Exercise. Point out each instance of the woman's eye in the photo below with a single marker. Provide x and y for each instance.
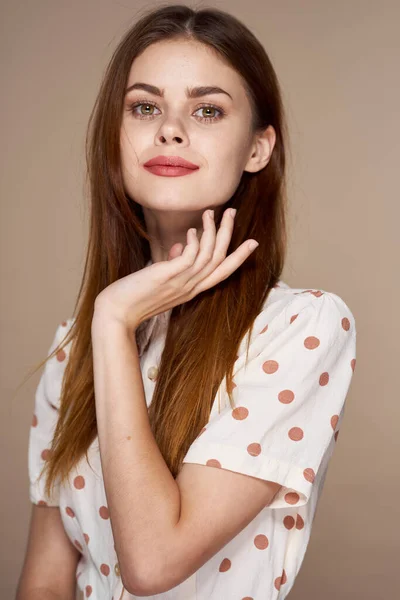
(146, 110)
(213, 109)
(146, 106)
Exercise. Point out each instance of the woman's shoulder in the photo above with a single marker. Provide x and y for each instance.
(55, 365)
(284, 303)
(62, 330)
(285, 294)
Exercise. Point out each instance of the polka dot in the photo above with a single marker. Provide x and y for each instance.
(64, 323)
(270, 366)
(78, 545)
(280, 580)
(288, 522)
(225, 565)
(79, 482)
(69, 511)
(261, 541)
(88, 591)
(292, 498)
(336, 436)
(265, 329)
(311, 342)
(324, 378)
(254, 449)
(103, 512)
(240, 413)
(334, 421)
(353, 363)
(247, 598)
(105, 569)
(85, 535)
(296, 434)
(309, 475)
(34, 421)
(299, 522)
(317, 293)
(42, 503)
(45, 455)
(213, 462)
(293, 318)
(345, 323)
(61, 355)
(286, 396)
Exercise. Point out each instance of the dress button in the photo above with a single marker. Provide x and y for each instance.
(116, 569)
(152, 373)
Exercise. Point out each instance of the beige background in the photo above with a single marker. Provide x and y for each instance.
(338, 63)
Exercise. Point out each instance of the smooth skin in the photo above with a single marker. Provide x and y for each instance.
(223, 145)
(48, 572)
(215, 504)
(165, 284)
(223, 148)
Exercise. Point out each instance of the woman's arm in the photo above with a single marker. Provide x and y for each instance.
(42, 594)
(143, 497)
(49, 568)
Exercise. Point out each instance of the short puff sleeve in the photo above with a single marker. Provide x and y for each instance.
(44, 420)
(289, 396)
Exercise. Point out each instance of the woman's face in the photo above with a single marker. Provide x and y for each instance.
(218, 139)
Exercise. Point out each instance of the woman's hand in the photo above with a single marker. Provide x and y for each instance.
(165, 284)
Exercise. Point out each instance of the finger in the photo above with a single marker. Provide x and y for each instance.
(217, 245)
(207, 243)
(224, 236)
(226, 268)
(213, 248)
(175, 251)
(186, 259)
(203, 253)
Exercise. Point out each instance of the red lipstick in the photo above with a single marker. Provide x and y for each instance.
(170, 166)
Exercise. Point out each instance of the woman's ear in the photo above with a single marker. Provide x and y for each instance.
(261, 150)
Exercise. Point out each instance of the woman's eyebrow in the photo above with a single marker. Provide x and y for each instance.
(194, 92)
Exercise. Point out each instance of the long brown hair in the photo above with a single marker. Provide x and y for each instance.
(204, 333)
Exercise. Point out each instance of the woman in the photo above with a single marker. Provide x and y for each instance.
(187, 413)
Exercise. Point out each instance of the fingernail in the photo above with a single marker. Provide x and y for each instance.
(253, 245)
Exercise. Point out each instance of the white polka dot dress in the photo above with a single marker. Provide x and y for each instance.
(289, 404)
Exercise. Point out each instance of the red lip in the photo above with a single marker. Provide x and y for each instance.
(170, 161)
